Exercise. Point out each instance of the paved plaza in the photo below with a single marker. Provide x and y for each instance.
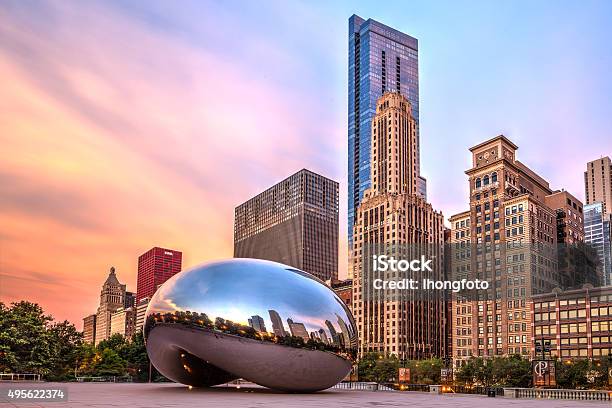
(178, 396)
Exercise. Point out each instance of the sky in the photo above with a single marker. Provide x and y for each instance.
(127, 125)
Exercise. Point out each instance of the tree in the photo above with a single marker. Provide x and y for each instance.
(136, 355)
(425, 371)
(64, 342)
(24, 340)
(86, 360)
(512, 371)
(466, 373)
(476, 371)
(378, 367)
(115, 342)
(110, 364)
(573, 373)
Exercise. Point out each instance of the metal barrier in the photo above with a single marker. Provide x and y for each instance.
(126, 378)
(373, 386)
(361, 386)
(19, 377)
(480, 390)
(558, 394)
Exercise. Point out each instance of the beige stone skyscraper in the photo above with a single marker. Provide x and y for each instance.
(111, 299)
(598, 183)
(392, 213)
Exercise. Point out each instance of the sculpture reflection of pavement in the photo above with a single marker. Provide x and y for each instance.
(225, 320)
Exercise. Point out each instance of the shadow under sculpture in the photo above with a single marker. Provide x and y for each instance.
(262, 321)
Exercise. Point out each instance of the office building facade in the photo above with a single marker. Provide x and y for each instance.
(141, 311)
(598, 183)
(381, 59)
(570, 221)
(576, 323)
(130, 300)
(344, 290)
(392, 214)
(89, 329)
(597, 234)
(155, 267)
(295, 222)
(508, 238)
(123, 322)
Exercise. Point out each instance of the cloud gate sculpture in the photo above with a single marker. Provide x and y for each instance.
(262, 321)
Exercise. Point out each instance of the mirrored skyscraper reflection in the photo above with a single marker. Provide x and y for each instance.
(245, 318)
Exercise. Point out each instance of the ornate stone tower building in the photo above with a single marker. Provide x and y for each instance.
(510, 235)
(111, 298)
(393, 215)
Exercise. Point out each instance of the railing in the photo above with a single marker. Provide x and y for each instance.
(591, 395)
(465, 389)
(360, 386)
(388, 386)
(408, 387)
(19, 377)
(105, 379)
(558, 394)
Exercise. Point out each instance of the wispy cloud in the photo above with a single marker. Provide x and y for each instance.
(125, 125)
(119, 136)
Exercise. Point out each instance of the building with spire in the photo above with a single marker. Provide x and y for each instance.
(394, 214)
(112, 298)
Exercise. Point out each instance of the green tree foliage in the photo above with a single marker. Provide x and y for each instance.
(425, 371)
(115, 342)
(31, 342)
(512, 371)
(25, 339)
(583, 374)
(65, 343)
(378, 367)
(110, 363)
(135, 354)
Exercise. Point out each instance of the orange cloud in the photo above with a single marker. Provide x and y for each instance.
(117, 138)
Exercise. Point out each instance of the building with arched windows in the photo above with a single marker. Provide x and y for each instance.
(112, 298)
(512, 230)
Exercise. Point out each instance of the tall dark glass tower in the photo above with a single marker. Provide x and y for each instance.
(380, 59)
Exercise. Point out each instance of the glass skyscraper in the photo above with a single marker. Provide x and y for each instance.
(598, 235)
(381, 59)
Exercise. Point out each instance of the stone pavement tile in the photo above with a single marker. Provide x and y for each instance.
(98, 395)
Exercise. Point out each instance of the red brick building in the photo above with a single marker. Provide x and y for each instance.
(156, 266)
(344, 290)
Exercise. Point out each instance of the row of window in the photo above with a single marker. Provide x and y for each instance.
(486, 180)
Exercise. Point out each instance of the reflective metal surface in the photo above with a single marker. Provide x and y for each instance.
(244, 318)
